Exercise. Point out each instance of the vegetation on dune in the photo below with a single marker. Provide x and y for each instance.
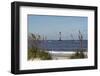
(35, 52)
(79, 52)
(78, 55)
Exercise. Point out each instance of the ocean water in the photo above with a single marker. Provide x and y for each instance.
(64, 45)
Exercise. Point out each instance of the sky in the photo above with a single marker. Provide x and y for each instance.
(50, 26)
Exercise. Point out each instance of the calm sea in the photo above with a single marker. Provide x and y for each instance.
(64, 45)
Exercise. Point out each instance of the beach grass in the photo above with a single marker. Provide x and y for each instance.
(35, 53)
(78, 55)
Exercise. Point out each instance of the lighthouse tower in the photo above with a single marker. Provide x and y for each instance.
(59, 36)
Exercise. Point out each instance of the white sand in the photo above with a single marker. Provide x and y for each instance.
(57, 55)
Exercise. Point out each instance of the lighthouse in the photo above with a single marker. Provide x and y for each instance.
(59, 36)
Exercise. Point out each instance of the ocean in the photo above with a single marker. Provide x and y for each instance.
(63, 45)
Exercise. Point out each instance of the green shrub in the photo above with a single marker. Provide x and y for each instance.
(37, 53)
(78, 55)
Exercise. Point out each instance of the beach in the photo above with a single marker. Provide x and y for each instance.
(56, 55)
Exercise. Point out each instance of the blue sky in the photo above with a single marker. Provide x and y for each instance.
(50, 26)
